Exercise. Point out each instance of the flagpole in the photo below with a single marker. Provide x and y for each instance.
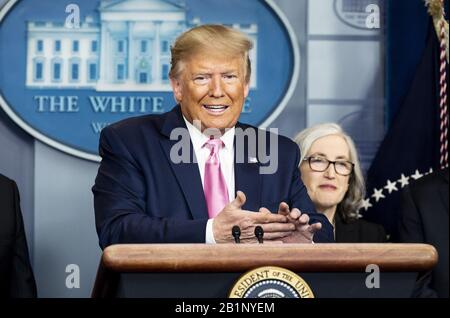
(443, 91)
(436, 10)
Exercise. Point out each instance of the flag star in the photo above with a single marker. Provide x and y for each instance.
(365, 204)
(390, 186)
(417, 175)
(430, 171)
(403, 180)
(378, 194)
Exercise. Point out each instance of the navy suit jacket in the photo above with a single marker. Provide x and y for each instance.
(141, 196)
(424, 219)
(16, 274)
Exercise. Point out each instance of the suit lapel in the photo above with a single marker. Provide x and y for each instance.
(187, 174)
(247, 180)
(247, 177)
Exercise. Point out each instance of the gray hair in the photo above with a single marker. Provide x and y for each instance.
(349, 206)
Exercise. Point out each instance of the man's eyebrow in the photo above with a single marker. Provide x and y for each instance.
(201, 73)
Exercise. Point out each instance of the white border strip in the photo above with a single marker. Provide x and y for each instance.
(84, 155)
(5, 8)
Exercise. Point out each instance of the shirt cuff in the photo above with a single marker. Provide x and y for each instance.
(209, 232)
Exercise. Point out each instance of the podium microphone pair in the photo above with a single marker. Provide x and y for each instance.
(236, 232)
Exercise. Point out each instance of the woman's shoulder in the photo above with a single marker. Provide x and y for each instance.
(362, 230)
(367, 224)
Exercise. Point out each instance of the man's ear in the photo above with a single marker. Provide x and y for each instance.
(246, 89)
(177, 89)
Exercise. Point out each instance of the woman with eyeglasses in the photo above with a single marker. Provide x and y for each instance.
(331, 172)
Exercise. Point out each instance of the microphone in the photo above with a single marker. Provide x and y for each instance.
(236, 232)
(259, 233)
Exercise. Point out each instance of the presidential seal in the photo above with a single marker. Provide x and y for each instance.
(270, 282)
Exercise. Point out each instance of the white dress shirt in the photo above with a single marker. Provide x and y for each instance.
(226, 156)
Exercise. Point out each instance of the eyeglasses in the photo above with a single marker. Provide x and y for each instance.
(320, 164)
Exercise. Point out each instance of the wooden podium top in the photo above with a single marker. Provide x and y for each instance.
(241, 257)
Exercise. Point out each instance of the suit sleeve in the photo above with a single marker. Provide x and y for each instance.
(300, 199)
(410, 227)
(120, 202)
(411, 231)
(22, 279)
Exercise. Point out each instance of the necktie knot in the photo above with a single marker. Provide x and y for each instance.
(214, 145)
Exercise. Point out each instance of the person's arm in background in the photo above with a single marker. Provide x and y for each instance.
(410, 227)
(411, 231)
(22, 283)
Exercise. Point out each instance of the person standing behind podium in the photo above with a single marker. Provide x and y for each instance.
(16, 274)
(141, 195)
(331, 172)
(424, 219)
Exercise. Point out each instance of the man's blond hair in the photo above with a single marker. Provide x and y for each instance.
(217, 40)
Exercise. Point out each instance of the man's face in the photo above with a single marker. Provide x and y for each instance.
(212, 90)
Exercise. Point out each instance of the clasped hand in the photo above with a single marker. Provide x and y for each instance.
(286, 226)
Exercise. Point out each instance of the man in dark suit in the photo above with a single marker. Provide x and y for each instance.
(424, 219)
(16, 275)
(144, 192)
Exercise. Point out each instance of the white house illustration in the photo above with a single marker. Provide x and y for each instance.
(128, 50)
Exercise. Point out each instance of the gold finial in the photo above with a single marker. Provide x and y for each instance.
(434, 8)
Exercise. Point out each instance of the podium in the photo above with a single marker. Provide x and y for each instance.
(211, 271)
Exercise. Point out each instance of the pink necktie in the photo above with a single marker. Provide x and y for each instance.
(216, 191)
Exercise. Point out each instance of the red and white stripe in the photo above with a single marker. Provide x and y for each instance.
(443, 95)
